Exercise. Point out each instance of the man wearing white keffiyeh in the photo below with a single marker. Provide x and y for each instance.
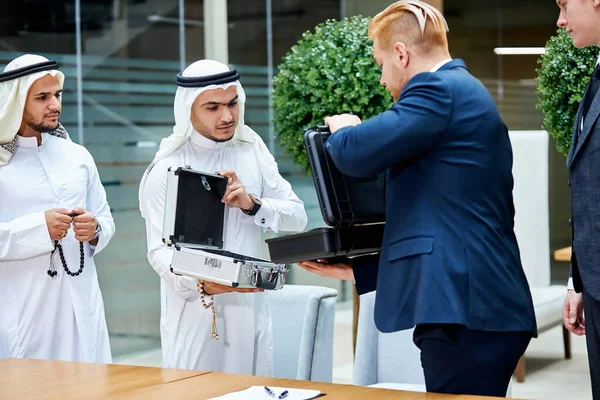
(13, 92)
(53, 219)
(210, 135)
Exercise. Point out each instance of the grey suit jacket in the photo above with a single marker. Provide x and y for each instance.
(583, 163)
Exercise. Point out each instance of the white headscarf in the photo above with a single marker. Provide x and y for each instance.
(13, 95)
(184, 98)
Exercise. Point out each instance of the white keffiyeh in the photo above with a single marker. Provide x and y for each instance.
(13, 95)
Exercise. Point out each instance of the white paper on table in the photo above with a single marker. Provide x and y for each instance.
(259, 393)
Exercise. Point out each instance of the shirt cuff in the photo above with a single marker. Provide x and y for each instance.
(265, 217)
(570, 284)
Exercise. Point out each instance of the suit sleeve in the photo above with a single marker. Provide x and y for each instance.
(412, 127)
(365, 270)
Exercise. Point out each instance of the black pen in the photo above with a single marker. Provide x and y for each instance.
(283, 394)
(269, 392)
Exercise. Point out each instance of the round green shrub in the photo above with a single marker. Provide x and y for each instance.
(329, 71)
(563, 74)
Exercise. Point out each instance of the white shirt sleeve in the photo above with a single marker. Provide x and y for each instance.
(98, 206)
(281, 209)
(159, 254)
(25, 237)
(570, 284)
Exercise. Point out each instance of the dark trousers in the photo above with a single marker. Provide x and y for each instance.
(457, 360)
(591, 309)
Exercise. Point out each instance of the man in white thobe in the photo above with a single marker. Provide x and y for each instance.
(53, 219)
(210, 135)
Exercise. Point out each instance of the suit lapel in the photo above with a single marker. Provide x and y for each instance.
(588, 122)
(576, 134)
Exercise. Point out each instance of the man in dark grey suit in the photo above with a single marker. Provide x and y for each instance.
(581, 19)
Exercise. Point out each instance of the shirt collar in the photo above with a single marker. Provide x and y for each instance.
(204, 142)
(440, 64)
(597, 61)
(28, 142)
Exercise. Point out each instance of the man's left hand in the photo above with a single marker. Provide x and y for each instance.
(337, 122)
(84, 225)
(236, 195)
(323, 268)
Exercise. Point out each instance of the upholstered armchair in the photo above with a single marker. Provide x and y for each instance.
(303, 322)
(530, 172)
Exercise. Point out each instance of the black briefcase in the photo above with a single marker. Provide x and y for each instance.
(354, 208)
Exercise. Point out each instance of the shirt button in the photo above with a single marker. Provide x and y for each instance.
(571, 221)
(263, 221)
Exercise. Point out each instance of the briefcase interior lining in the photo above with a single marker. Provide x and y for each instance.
(195, 224)
(354, 208)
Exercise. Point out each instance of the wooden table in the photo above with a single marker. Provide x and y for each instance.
(57, 380)
(42, 379)
(218, 384)
(563, 254)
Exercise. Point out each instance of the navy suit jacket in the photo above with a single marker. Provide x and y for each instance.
(449, 253)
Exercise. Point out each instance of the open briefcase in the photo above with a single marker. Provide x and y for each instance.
(195, 224)
(354, 208)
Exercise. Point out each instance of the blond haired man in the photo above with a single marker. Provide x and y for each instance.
(449, 262)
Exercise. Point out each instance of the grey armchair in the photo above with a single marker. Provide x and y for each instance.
(303, 322)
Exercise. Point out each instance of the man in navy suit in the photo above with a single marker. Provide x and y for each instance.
(449, 262)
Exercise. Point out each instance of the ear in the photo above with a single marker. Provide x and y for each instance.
(401, 53)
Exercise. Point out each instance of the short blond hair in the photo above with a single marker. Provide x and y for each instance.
(412, 22)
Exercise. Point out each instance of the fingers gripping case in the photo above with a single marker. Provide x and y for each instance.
(195, 224)
(354, 208)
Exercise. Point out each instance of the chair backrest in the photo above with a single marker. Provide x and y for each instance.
(530, 193)
(384, 357)
(303, 321)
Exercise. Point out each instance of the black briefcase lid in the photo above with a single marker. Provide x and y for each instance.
(344, 200)
(200, 214)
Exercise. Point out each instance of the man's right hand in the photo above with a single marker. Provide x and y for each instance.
(58, 222)
(573, 313)
(214, 288)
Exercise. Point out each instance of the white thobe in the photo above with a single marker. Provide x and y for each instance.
(243, 320)
(40, 317)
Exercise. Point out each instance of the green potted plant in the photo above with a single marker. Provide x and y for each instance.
(329, 71)
(563, 74)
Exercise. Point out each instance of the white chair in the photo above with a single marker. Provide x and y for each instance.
(530, 172)
(303, 322)
(387, 360)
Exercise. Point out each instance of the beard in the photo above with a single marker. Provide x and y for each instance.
(40, 126)
(216, 139)
(207, 133)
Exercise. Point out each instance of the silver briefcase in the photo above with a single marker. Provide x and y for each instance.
(194, 225)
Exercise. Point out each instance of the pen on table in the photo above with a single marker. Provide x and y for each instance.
(283, 394)
(269, 392)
